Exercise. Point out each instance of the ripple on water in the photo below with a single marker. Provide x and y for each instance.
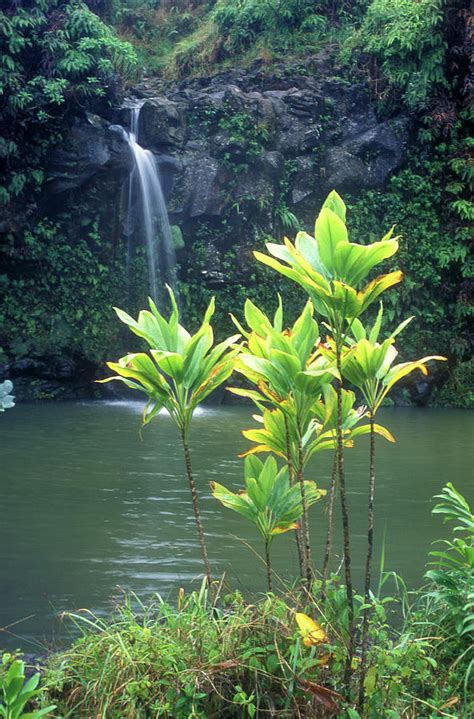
(88, 503)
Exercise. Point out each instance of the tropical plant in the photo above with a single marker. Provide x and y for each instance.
(274, 435)
(289, 374)
(6, 398)
(331, 270)
(282, 216)
(269, 501)
(16, 692)
(453, 578)
(369, 366)
(178, 372)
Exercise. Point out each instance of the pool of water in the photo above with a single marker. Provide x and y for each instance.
(89, 507)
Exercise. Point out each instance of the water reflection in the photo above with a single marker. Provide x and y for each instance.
(89, 505)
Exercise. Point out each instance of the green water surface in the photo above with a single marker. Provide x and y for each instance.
(88, 507)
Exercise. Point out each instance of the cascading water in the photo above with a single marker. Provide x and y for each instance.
(147, 214)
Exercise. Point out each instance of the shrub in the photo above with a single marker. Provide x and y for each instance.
(56, 58)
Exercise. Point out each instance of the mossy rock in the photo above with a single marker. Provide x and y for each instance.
(177, 237)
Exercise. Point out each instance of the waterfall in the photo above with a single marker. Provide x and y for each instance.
(148, 215)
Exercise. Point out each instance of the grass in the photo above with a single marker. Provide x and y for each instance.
(201, 657)
(197, 39)
(225, 657)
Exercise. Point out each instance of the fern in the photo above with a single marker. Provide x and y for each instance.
(453, 579)
(55, 57)
(406, 39)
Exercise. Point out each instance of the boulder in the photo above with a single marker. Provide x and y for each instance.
(91, 146)
(204, 185)
(162, 125)
(305, 177)
(366, 160)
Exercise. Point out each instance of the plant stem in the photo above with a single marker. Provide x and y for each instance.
(197, 513)
(332, 495)
(368, 567)
(291, 478)
(345, 520)
(305, 518)
(269, 568)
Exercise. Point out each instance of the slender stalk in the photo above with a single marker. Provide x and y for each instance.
(332, 495)
(305, 518)
(345, 521)
(269, 566)
(368, 567)
(291, 477)
(197, 513)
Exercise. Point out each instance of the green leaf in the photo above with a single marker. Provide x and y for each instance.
(335, 203)
(329, 231)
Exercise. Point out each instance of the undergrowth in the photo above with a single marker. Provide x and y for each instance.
(214, 654)
(223, 657)
(199, 36)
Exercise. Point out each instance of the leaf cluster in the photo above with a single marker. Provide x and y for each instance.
(57, 59)
(16, 692)
(180, 370)
(268, 499)
(453, 578)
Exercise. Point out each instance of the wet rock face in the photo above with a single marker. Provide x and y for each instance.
(233, 150)
(92, 146)
(252, 137)
(241, 142)
(50, 378)
(162, 125)
(236, 150)
(367, 159)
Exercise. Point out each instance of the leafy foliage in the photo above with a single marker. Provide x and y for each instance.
(247, 138)
(16, 692)
(180, 370)
(453, 579)
(458, 390)
(57, 58)
(154, 28)
(198, 659)
(80, 277)
(331, 269)
(416, 56)
(434, 251)
(232, 28)
(369, 366)
(405, 42)
(229, 658)
(269, 501)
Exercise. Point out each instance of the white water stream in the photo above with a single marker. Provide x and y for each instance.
(147, 213)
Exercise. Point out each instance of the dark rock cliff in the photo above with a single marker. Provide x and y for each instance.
(243, 140)
(238, 153)
(239, 150)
